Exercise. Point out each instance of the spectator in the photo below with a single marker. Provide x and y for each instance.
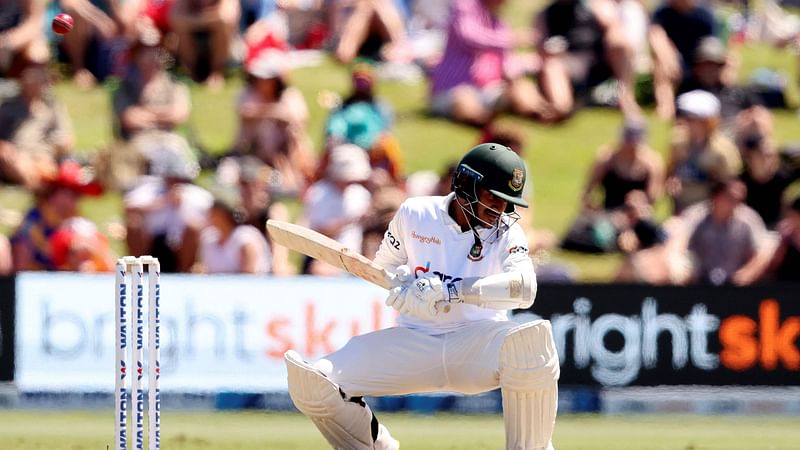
(150, 107)
(337, 205)
(766, 178)
(699, 154)
(205, 29)
(97, 23)
(373, 28)
(56, 204)
(229, 244)
(583, 44)
(273, 119)
(650, 255)
(35, 130)
(78, 246)
(365, 120)
(729, 241)
(627, 166)
(626, 172)
(477, 77)
(676, 29)
(713, 70)
(22, 37)
(250, 177)
(165, 212)
(785, 262)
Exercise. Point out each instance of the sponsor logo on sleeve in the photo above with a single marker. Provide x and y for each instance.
(392, 241)
(518, 249)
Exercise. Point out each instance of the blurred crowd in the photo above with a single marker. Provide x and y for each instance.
(728, 180)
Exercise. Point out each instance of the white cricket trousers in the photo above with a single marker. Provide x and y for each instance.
(398, 361)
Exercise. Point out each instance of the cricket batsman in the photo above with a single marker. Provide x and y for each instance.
(461, 262)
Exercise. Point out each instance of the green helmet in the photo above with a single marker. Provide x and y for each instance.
(493, 167)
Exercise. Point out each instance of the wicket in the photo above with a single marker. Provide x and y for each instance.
(135, 267)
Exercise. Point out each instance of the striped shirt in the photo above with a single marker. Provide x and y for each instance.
(473, 34)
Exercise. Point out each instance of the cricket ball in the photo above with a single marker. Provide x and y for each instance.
(63, 23)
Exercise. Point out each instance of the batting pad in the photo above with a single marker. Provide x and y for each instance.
(346, 425)
(529, 371)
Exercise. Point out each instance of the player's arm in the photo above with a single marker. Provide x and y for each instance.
(514, 287)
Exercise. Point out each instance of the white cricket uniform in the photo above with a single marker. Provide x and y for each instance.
(458, 351)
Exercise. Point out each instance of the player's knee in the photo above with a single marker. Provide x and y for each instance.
(312, 393)
(528, 358)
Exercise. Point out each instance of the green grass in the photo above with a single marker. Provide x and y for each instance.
(57, 430)
(559, 156)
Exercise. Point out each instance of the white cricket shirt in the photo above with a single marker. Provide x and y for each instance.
(423, 236)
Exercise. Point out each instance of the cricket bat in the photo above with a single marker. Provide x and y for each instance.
(325, 249)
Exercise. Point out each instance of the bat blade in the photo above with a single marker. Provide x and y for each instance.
(323, 248)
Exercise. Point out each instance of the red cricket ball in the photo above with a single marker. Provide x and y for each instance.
(63, 23)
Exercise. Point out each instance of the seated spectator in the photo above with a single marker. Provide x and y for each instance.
(676, 30)
(373, 29)
(229, 244)
(729, 242)
(650, 254)
(713, 70)
(337, 205)
(766, 178)
(477, 77)
(627, 166)
(365, 120)
(35, 130)
(785, 262)
(251, 178)
(582, 45)
(22, 37)
(97, 23)
(165, 211)
(205, 29)
(699, 154)
(78, 246)
(56, 203)
(149, 108)
(273, 118)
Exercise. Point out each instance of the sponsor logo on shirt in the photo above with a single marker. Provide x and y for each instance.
(426, 239)
(421, 270)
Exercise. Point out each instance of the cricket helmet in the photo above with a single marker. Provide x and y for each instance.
(495, 168)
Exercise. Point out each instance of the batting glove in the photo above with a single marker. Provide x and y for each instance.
(418, 299)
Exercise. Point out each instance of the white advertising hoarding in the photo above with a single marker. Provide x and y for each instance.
(218, 333)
